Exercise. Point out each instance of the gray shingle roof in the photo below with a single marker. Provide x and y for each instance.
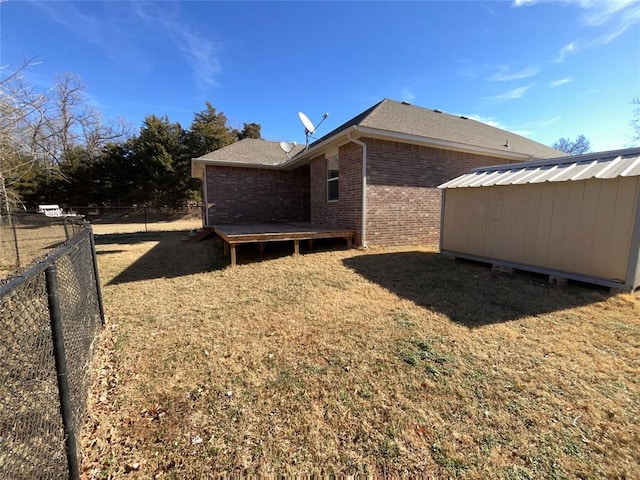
(251, 151)
(388, 117)
(400, 117)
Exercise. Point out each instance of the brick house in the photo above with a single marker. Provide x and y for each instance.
(404, 151)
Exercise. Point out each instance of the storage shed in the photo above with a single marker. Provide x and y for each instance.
(573, 217)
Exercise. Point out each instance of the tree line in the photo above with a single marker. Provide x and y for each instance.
(55, 147)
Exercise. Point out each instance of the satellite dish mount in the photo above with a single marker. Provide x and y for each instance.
(309, 128)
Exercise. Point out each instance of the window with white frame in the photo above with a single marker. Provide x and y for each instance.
(333, 193)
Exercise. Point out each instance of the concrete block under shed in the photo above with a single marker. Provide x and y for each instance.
(553, 280)
(501, 268)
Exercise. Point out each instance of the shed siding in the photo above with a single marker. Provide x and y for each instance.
(623, 220)
(582, 227)
(253, 195)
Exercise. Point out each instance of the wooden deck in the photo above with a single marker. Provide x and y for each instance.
(234, 235)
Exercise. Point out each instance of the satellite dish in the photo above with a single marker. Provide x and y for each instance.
(309, 129)
(287, 147)
(307, 123)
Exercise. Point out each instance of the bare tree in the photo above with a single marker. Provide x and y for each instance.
(18, 104)
(41, 130)
(68, 122)
(573, 147)
(635, 121)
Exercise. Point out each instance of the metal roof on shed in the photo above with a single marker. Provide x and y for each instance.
(602, 165)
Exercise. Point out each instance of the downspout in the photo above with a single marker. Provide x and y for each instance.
(205, 198)
(363, 228)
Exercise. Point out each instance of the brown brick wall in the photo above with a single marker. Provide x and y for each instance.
(403, 203)
(346, 212)
(252, 195)
(323, 213)
(351, 188)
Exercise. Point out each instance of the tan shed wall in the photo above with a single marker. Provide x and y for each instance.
(582, 227)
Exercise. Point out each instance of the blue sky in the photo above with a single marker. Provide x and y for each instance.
(541, 69)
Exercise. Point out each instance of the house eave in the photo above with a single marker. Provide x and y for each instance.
(303, 157)
(341, 138)
(360, 131)
(198, 166)
(439, 143)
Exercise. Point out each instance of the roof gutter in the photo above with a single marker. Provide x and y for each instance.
(222, 163)
(363, 227)
(436, 142)
(406, 138)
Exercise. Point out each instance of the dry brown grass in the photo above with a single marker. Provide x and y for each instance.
(139, 226)
(34, 240)
(378, 362)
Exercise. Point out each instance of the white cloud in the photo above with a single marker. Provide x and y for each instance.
(528, 129)
(599, 12)
(535, 124)
(408, 95)
(595, 12)
(536, 128)
(611, 18)
(90, 27)
(523, 133)
(201, 53)
(524, 3)
(115, 39)
(486, 120)
(562, 81)
(105, 27)
(568, 49)
(492, 122)
(510, 94)
(504, 74)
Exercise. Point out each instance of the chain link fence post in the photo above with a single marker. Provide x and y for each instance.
(66, 227)
(15, 238)
(57, 337)
(94, 256)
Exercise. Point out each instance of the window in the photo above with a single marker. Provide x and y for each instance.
(332, 180)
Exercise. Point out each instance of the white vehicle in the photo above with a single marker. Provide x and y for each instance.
(53, 211)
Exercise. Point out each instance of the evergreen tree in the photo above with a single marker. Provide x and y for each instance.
(152, 167)
(250, 130)
(208, 132)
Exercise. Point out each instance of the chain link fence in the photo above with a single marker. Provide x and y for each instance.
(24, 238)
(142, 218)
(50, 315)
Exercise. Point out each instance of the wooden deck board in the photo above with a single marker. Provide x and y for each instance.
(234, 235)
